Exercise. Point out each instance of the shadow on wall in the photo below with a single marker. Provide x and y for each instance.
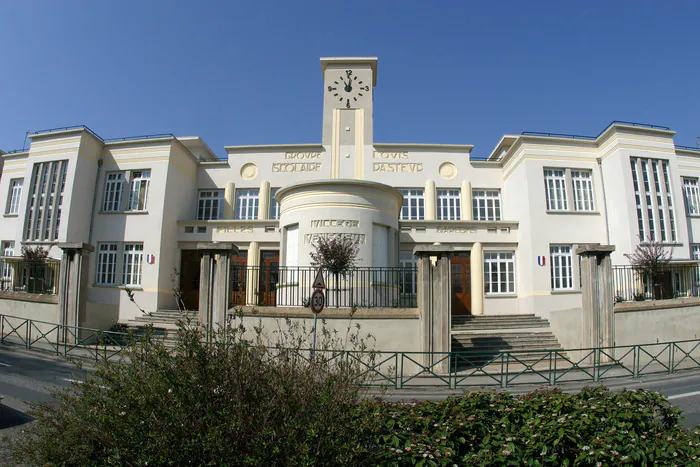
(477, 352)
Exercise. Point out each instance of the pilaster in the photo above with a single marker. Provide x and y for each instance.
(229, 200)
(264, 200)
(466, 195)
(253, 279)
(430, 203)
(476, 270)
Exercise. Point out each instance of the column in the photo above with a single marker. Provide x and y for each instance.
(435, 302)
(598, 319)
(466, 195)
(252, 284)
(430, 204)
(476, 271)
(214, 283)
(72, 287)
(229, 200)
(264, 201)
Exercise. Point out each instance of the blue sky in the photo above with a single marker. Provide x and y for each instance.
(239, 73)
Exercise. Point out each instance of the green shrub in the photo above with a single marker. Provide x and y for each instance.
(227, 402)
(593, 427)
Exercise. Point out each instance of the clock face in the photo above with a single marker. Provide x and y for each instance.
(347, 88)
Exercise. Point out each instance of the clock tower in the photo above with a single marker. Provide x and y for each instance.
(348, 93)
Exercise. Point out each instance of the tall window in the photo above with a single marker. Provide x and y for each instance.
(408, 280)
(8, 249)
(691, 194)
(582, 182)
(138, 193)
(555, 189)
(274, 206)
(247, 204)
(14, 196)
(499, 273)
(210, 205)
(486, 205)
(44, 201)
(561, 267)
(132, 264)
(652, 191)
(449, 205)
(107, 264)
(413, 208)
(114, 187)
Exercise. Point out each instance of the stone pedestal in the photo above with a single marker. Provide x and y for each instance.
(598, 323)
(434, 303)
(214, 283)
(72, 288)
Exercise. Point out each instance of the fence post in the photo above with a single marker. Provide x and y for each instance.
(72, 286)
(214, 286)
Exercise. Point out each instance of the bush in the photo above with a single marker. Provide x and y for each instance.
(593, 427)
(227, 402)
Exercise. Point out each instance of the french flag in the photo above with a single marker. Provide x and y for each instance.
(150, 258)
(541, 260)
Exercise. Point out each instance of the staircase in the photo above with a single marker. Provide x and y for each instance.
(483, 338)
(164, 322)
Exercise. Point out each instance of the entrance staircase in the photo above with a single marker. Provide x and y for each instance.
(484, 338)
(164, 322)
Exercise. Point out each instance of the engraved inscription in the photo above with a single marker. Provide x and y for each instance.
(463, 230)
(296, 167)
(390, 155)
(397, 166)
(320, 223)
(355, 237)
(234, 229)
(302, 155)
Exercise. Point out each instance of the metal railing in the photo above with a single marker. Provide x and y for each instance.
(631, 283)
(35, 277)
(281, 286)
(401, 370)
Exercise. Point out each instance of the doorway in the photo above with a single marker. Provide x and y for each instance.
(189, 279)
(269, 277)
(461, 283)
(239, 264)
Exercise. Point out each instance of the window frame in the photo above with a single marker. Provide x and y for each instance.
(251, 212)
(495, 207)
(132, 258)
(104, 251)
(656, 218)
(695, 192)
(583, 185)
(216, 198)
(274, 211)
(551, 187)
(557, 266)
(44, 202)
(138, 184)
(448, 201)
(14, 196)
(502, 257)
(406, 204)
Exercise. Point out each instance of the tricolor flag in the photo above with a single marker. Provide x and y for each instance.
(541, 260)
(150, 259)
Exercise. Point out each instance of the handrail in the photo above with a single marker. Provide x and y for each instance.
(413, 369)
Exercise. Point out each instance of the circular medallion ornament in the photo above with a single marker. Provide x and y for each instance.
(249, 171)
(448, 170)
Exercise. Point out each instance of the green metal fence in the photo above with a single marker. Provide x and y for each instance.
(404, 370)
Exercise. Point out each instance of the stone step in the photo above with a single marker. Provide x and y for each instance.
(511, 327)
(489, 338)
(499, 322)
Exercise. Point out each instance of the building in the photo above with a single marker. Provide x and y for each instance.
(513, 219)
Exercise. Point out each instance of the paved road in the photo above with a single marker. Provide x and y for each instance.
(27, 377)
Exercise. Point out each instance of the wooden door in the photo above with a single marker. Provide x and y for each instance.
(269, 276)
(189, 279)
(461, 283)
(239, 273)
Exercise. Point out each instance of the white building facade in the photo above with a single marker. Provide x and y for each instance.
(514, 219)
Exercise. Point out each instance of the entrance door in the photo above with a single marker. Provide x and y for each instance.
(461, 283)
(189, 279)
(239, 263)
(269, 276)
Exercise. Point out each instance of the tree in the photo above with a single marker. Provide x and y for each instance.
(336, 254)
(651, 260)
(34, 255)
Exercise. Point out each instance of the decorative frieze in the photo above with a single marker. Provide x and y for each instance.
(296, 167)
(346, 223)
(355, 237)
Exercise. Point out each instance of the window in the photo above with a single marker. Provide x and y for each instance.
(560, 267)
(132, 264)
(247, 204)
(408, 281)
(691, 194)
(486, 205)
(449, 205)
(210, 205)
(652, 193)
(499, 273)
(8, 249)
(582, 182)
(114, 187)
(14, 196)
(138, 193)
(107, 263)
(274, 206)
(45, 200)
(555, 189)
(413, 208)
